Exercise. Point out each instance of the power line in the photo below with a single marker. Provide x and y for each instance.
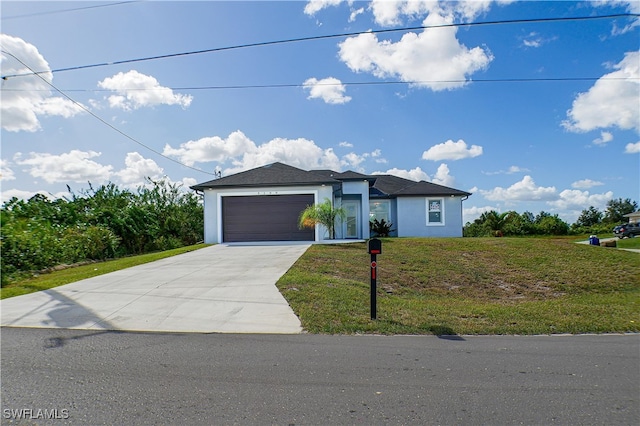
(359, 83)
(131, 138)
(52, 12)
(323, 37)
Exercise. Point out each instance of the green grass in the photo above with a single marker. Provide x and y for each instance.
(69, 275)
(629, 243)
(468, 286)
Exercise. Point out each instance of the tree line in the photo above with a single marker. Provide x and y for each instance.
(96, 224)
(590, 221)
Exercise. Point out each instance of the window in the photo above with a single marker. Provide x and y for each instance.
(380, 209)
(435, 211)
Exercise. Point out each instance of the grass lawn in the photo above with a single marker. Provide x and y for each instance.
(629, 243)
(468, 286)
(66, 276)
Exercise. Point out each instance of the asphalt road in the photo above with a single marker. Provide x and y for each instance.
(106, 377)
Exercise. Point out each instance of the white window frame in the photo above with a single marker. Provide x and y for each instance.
(442, 216)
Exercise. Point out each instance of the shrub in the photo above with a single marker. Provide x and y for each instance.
(28, 245)
(380, 228)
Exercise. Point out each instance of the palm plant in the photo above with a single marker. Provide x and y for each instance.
(496, 221)
(324, 214)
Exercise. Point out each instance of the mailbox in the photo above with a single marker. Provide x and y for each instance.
(375, 246)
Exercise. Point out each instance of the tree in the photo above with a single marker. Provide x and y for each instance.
(552, 225)
(616, 209)
(520, 224)
(322, 214)
(496, 222)
(589, 217)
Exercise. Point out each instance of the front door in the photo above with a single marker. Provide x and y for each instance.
(352, 219)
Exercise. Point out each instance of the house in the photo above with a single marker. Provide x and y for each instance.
(263, 204)
(633, 217)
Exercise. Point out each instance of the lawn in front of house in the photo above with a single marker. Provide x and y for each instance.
(467, 286)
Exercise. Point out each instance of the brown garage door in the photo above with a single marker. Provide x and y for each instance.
(265, 218)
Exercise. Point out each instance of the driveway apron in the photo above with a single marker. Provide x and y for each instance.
(217, 289)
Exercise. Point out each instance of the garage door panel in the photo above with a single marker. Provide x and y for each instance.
(265, 218)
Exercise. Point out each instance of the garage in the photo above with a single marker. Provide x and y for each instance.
(265, 218)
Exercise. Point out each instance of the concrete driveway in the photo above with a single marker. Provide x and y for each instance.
(217, 289)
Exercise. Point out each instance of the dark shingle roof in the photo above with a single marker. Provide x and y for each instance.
(396, 186)
(279, 174)
(348, 175)
(275, 174)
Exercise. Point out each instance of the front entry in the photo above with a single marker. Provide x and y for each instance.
(352, 219)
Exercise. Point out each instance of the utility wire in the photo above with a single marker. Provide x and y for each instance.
(329, 36)
(51, 12)
(79, 105)
(359, 83)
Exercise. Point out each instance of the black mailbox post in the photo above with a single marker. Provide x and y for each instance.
(375, 248)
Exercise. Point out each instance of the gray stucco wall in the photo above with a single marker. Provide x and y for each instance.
(412, 218)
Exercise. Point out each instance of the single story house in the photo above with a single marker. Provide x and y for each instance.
(263, 204)
(633, 217)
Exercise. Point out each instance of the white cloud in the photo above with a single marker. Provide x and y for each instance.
(525, 190)
(605, 138)
(353, 160)
(345, 145)
(27, 97)
(532, 40)
(355, 13)
(73, 166)
(632, 6)
(245, 154)
(5, 172)
(301, 153)
(575, 199)
(442, 176)
(314, 6)
(632, 148)
(585, 184)
(535, 40)
(390, 13)
(451, 150)
(516, 169)
(377, 156)
(416, 174)
(511, 170)
(137, 169)
(25, 195)
(611, 101)
(472, 213)
(187, 182)
(212, 149)
(432, 59)
(135, 90)
(330, 90)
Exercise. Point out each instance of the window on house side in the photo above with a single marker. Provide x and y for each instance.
(435, 211)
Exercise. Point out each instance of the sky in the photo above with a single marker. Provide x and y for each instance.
(524, 107)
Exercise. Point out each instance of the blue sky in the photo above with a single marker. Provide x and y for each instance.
(436, 104)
